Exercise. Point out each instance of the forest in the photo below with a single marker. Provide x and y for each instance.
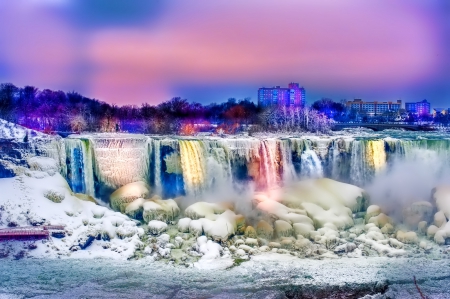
(57, 111)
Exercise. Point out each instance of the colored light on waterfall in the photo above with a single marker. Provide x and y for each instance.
(377, 154)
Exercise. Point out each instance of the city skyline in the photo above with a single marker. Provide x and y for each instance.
(152, 51)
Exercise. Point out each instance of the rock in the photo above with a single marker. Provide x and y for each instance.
(431, 231)
(440, 219)
(274, 245)
(240, 252)
(44, 164)
(380, 220)
(54, 196)
(250, 232)
(125, 195)
(183, 225)
(283, 229)
(387, 229)
(245, 248)
(264, 230)
(287, 244)
(372, 211)
(303, 229)
(251, 242)
(195, 227)
(204, 210)
(264, 248)
(156, 227)
(407, 237)
(158, 209)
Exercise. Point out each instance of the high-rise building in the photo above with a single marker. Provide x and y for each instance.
(420, 108)
(293, 96)
(373, 108)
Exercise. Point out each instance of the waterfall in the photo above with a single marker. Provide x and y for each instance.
(119, 161)
(192, 154)
(172, 166)
(79, 165)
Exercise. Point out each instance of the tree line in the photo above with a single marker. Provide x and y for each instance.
(57, 111)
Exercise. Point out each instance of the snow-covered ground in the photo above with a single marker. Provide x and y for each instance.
(43, 197)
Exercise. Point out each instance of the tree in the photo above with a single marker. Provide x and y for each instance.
(8, 93)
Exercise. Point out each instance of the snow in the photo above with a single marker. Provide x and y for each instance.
(23, 201)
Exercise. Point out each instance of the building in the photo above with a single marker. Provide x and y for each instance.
(439, 111)
(292, 96)
(420, 108)
(373, 108)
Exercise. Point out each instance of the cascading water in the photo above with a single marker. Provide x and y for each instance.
(177, 166)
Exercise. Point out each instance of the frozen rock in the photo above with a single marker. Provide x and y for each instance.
(264, 248)
(387, 229)
(431, 231)
(407, 237)
(162, 210)
(240, 252)
(125, 195)
(195, 227)
(245, 248)
(380, 220)
(204, 210)
(134, 209)
(183, 225)
(283, 229)
(372, 211)
(44, 164)
(251, 242)
(54, 196)
(274, 245)
(250, 232)
(264, 230)
(156, 227)
(440, 219)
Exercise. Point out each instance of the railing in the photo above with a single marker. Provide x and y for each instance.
(28, 232)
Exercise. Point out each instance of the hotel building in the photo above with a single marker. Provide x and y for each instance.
(420, 108)
(373, 108)
(292, 96)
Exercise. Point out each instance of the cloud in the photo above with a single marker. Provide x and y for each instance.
(147, 50)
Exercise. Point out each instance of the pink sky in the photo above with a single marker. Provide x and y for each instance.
(345, 48)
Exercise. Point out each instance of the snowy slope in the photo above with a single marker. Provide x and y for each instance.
(27, 200)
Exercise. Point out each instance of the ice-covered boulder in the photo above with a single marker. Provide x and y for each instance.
(125, 195)
(214, 220)
(204, 210)
(441, 196)
(183, 225)
(158, 209)
(44, 164)
(264, 230)
(156, 227)
(322, 200)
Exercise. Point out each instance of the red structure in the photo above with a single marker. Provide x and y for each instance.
(28, 232)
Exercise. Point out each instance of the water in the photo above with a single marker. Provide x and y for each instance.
(175, 166)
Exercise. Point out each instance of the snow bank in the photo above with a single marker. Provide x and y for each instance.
(90, 230)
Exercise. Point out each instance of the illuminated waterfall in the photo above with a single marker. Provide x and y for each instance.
(173, 166)
(80, 174)
(193, 164)
(119, 161)
(376, 154)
